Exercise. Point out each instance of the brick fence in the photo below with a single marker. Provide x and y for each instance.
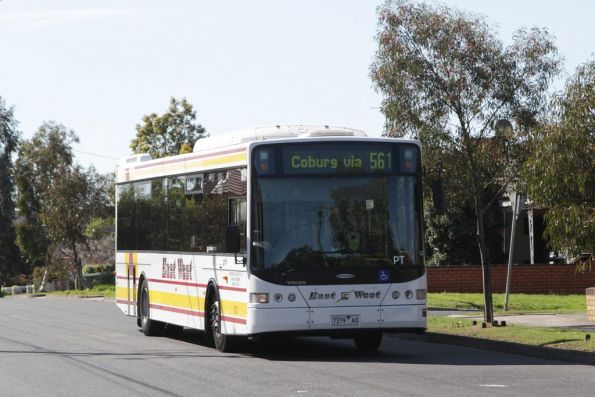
(530, 279)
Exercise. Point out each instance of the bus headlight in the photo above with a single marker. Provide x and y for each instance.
(278, 297)
(408, 294)
(396, 294)
(259, 297)
(291, 297)
(420, 294)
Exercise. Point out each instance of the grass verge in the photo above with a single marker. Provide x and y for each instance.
(545, 337)
(107, 290)
(518, 303)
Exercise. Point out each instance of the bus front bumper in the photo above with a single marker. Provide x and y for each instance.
(336, 320)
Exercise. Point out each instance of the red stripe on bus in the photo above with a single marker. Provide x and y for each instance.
(223, 287)
(156, 280)
(233, 320)
(122, 277)
(197, 314)
(124, 302)
(190, 158)
(174, 282)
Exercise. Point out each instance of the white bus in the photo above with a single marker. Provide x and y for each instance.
(296, 230)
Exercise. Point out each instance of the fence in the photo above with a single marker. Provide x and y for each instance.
(530, 279)
(18, 289)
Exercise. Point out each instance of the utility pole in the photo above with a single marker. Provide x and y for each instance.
(516, 200)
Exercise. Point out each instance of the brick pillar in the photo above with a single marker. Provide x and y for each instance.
(591, 303)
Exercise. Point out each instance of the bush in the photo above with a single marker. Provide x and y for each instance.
(37, 276)
(99, 268)
(98, 274)
(95, 279)
(19, 279)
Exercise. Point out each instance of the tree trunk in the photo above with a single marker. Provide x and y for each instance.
(78, 269)
(488, 314)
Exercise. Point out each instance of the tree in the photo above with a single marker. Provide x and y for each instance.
(449, 81)
(560, 172)
(9, 139)
(172, 133)
(41, 160)
(66, 213)
(102, 193)
(449, 224)
(57, 199)
(99, 231)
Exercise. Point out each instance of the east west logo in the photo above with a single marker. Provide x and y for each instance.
(346, 295)
(319, 296)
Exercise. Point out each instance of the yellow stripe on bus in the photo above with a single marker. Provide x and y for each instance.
(209, 162)
(122, 293)
(231, 308)
(135, 263)
(189, 302)
(196, 303)
(188, 166)
(176, 300)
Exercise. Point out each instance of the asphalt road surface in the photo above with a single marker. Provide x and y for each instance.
(75, 347)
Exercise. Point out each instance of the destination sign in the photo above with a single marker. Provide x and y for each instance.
(333, 159)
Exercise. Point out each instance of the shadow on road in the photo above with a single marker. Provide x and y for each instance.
(393, 350)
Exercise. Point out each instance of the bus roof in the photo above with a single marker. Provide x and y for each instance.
(272, 132)
(221, 151)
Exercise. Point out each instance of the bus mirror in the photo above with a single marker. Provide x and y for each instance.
(232, 238)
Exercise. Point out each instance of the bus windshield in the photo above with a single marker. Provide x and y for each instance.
(328, 229)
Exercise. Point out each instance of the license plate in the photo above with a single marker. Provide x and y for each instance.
(345, 320)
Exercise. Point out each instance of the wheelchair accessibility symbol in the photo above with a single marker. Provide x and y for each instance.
(384, 276)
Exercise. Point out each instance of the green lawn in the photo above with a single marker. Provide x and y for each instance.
(518, 303)
(546, 337)
(107, 290)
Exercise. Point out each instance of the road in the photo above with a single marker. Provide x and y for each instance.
(75, 347)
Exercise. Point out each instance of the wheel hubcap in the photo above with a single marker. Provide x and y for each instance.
(215, 323)
(145, 308)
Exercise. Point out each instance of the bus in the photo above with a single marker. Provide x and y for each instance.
(282, 230)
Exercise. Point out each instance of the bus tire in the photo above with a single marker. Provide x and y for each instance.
(223, 343)
(369, 341)
(148, 326)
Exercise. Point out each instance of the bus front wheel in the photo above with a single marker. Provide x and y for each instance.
(368, 341)
(223, 343)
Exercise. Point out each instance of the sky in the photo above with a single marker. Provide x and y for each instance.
(97, 66)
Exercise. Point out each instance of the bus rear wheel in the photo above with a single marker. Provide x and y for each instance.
(148, 326)
(369, 341)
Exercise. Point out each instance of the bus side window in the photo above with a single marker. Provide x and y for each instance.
(214, 211)
(126, 217)
(237, 216)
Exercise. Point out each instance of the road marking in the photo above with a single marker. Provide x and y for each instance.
(19, 317)
(493, 386)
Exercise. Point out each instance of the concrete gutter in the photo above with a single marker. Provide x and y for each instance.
(573, 356)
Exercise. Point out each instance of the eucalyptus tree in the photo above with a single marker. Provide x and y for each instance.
(447, 79)
(171, 133)
(66, 212)
(41, 160)
(9, 139)
(560, 172)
